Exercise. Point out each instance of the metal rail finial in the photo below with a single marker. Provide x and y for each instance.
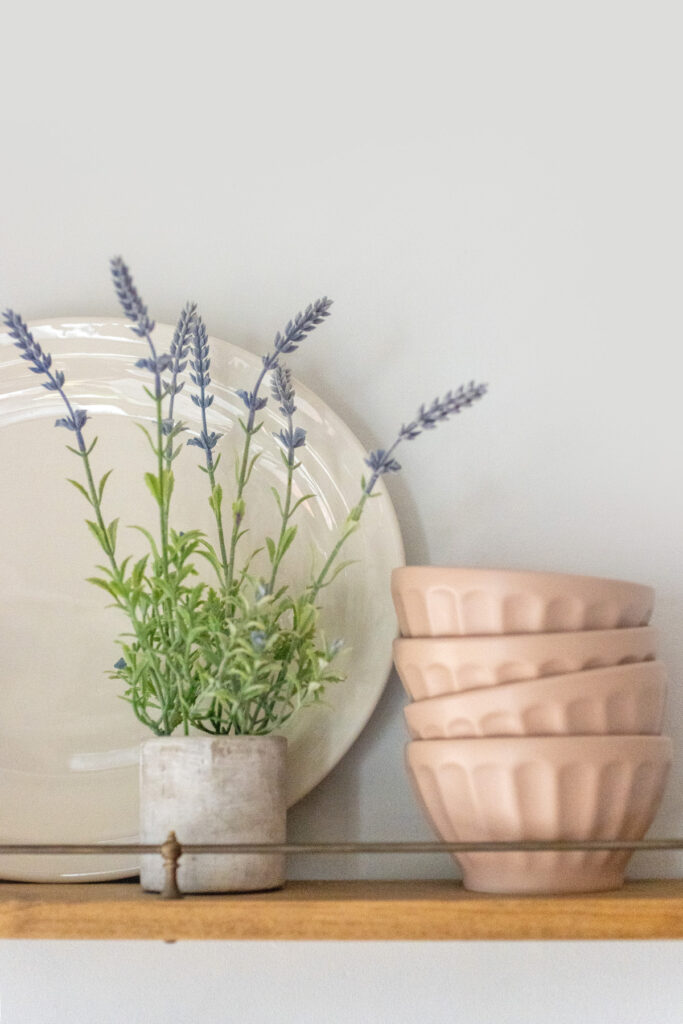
(171, 852)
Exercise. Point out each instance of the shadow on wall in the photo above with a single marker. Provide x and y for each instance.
(340, 808)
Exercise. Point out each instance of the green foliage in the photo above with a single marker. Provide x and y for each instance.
(242, 666)
(239, 655)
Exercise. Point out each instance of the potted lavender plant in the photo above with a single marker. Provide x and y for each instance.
(215, 658)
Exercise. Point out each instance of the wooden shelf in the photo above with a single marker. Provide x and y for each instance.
(435, 910)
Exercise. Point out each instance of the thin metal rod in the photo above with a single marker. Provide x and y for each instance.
(529, 846)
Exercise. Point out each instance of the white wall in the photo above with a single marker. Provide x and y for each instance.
(487, 190)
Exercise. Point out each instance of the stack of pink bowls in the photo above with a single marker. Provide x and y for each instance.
(536, 715)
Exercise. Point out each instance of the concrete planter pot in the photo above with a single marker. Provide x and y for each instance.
(214, 789)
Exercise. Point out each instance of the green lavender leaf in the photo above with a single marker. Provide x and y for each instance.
(149, 437)
(98, 533)
(102, 484)
(300, 501)
(287, 539)
(112, 530)
(81, 489)
(216, 499)
(154, 486)
(252, 463)
(278, 499)
(102, 584)
(149, 538)
(167, 483)
(139, 570)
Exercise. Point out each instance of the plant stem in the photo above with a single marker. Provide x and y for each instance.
(217, 511)
(163, 500)
(201, 378)
(241, 482)
(107, 546)
(286, 515)
(221, 537)
(350, 527)
(352, 521)
(167, 621)
(117, 573)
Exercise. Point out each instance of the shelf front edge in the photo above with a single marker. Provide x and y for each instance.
(355, 910)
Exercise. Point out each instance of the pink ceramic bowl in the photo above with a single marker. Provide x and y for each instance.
(439, 601)
(541, 788)
(624, 699)
(432, 666)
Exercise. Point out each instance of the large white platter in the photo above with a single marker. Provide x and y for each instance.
(68, 744)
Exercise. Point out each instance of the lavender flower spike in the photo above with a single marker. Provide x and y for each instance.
(201, 365)
(285, 342)
(178, 353)
(30, 349)
(136, 310)
(283, 392)
(180, 346)
(440, 409)
(250, 398)
(201, 377)
(127, 294)
(41, 362)
(382, 461)
(297, 329)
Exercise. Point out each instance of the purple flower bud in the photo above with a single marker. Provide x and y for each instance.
(127, 294)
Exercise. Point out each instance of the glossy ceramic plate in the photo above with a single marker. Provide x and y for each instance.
(68, 744)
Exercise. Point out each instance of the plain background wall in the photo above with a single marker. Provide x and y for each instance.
(487, 190)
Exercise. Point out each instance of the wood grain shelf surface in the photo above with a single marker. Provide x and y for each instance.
(407, 910)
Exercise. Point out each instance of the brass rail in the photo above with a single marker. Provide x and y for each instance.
(171, 850)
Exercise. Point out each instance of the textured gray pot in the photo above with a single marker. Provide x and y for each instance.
(214, 789)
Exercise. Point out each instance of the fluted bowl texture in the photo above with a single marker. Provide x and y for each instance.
(434, 666)
(541, 788)
(623, 699)
(441, 601)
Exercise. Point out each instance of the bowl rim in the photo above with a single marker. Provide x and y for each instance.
(500, 639)
(484, 571)
(580, 740)
(641, 673)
